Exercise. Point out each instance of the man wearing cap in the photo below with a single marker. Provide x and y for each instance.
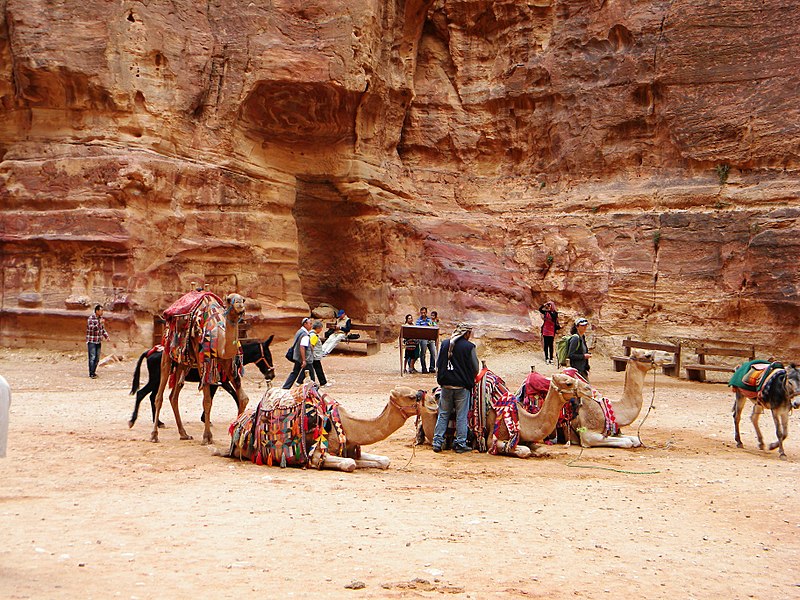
(456, 368)
(578, 351)
(301, 352)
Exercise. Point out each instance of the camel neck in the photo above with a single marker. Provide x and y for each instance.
(542, 423)
(627, 408)
(363, 432)
(230, 345)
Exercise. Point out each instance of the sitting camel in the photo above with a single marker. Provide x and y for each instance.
(599, 420)
(200, 333)
(334, 436)
(532, 427)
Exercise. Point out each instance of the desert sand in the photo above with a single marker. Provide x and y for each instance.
(91, 509)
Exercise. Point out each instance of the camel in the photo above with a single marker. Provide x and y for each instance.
(778, 395)
(536, 427)
(226, 349)
(403, 403)
(532, 427)
(590, 422)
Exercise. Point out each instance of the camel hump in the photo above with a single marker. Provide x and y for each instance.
(187, 303)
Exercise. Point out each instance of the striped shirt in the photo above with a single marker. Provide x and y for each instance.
(95, 331)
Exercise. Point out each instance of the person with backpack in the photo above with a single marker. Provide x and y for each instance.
(299, 353)
(577, 351)
(549, 328)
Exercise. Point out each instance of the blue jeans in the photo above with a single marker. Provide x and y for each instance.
(94, 356)
(450, 400)
(431, 347)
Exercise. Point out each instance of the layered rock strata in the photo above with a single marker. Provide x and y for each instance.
(635, 162)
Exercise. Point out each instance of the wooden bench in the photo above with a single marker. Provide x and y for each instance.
(371, 345)
(673, 369)
(697, 371)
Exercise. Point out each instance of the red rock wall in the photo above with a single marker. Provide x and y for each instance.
(637, 162)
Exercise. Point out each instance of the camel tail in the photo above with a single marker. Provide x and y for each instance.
(135, 384)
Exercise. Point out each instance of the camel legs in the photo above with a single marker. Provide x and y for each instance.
(519, 450)
(372, 461)
(337, 463)
(594, 439)
(180, 375)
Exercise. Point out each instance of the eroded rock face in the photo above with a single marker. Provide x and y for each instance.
(635, 162)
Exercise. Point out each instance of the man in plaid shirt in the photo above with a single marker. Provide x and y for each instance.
(95, 333)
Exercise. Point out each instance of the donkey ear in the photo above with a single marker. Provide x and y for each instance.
(269, 340)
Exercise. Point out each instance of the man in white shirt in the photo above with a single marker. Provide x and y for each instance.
(301, 353)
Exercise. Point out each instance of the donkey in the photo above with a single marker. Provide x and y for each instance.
(777, 395)
(252, 352)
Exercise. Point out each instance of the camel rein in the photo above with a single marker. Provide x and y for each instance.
(625, 471)
(420, 398)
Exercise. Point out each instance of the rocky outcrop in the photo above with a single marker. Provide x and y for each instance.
(635, 162)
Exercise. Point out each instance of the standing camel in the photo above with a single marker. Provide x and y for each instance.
(208, 341)
(255, 434)
(591, 422)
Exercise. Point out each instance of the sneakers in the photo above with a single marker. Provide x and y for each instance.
(425, 371)
(432, 370)
(462, 449)
(93, 376)
(437, 448)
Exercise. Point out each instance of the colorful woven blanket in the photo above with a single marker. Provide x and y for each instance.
(199, 318)
(536, 387)
(611, 427)
(278, 430)
(752, 375)
(491, 392)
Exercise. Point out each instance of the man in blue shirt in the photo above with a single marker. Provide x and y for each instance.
(425, 321)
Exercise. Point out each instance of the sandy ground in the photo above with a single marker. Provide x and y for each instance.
(90, 509)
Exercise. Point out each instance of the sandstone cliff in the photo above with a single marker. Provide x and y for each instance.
(637, 162)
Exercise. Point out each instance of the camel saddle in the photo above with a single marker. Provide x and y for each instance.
(276, 431)
(491, 392)
(752, 376)
(199, 318)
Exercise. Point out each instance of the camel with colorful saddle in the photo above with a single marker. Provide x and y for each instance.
(305, 427)
(599, 420)
(203, 333)
(497, 413)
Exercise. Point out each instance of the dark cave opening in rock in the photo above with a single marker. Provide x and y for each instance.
(340, 248)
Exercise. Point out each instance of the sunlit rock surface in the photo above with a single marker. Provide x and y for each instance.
(635, 162)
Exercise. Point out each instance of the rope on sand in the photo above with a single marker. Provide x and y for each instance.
(638, 434)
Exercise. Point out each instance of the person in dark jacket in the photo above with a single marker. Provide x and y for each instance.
(456, 368)
(577, 351)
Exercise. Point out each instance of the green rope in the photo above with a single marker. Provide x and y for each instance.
(574, 460)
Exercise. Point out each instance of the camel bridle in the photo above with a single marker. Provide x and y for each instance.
(404, 410)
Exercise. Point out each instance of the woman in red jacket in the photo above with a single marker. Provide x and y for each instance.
(549, 328)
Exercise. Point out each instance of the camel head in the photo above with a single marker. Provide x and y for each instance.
(408, 401)
(649, 359)
(571, 385)
(235, 304)
(431, 403)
